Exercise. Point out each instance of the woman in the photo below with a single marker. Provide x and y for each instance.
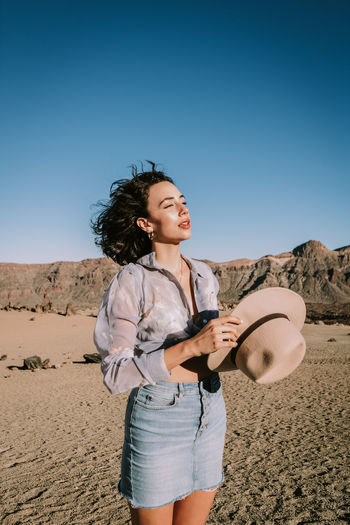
(157, 323)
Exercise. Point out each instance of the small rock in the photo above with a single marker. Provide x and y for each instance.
(32, 319)
(331, 340)
(92, 358)
(298, 492)
(56, 365)
(46, 364)
(70, 310)
(34, 362)
(3, 357)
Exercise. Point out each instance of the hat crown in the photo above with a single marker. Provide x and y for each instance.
(270, 343)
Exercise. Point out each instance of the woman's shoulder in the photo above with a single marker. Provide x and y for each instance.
(127, 281)
(202, 267)
(131, 269)
(205, 271)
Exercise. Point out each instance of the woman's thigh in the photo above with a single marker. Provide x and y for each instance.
(194, 509)
(159, 516)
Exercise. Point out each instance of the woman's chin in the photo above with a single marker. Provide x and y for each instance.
(183, 236)
(186, 235)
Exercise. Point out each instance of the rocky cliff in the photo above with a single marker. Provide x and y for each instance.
(319, 275)
(80, 283)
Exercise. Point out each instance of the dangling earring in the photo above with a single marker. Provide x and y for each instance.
(150, 236)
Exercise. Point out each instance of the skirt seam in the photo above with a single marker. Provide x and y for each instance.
(131, 444)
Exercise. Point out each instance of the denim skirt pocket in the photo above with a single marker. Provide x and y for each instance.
(155, 398)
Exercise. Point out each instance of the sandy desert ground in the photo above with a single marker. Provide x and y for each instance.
(286, 452)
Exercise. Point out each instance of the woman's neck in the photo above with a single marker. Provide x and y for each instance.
(168, 255)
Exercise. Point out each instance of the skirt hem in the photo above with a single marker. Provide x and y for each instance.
(178, 498)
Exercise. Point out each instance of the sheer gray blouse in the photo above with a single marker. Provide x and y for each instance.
(144, 311)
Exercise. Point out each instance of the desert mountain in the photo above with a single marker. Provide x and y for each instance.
(80, 283)
(319, 275)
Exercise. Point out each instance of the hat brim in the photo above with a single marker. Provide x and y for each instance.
(255, 306)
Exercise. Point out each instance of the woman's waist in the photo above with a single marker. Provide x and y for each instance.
(179, 374)
(210, 383)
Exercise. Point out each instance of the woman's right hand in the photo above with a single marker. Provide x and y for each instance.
(217, 333)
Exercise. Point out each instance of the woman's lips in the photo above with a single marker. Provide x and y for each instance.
(186, 225)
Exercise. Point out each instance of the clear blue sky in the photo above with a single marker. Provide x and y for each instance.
(244, 103)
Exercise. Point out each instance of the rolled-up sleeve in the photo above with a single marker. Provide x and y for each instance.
(123, 365)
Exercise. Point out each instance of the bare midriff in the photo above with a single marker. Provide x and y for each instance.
(196, 371)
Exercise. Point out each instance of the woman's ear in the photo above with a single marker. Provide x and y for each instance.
(144, 224)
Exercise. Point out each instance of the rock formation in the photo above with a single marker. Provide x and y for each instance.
(80, 283)
(319, 275)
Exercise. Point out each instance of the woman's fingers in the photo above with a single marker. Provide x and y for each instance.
(224, 337)
(226, 329)
(226, 320)
(224, 343)
(219, 333)
(231, 318)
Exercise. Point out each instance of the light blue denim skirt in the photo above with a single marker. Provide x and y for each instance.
(174, 440)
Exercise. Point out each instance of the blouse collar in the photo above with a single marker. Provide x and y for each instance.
(149, 261)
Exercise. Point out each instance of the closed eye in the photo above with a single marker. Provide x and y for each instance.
(168, 206)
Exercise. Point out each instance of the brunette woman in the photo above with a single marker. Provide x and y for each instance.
(157, 323)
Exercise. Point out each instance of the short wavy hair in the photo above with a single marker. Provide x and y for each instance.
(115, 228)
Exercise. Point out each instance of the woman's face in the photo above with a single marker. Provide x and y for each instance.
(169, 217)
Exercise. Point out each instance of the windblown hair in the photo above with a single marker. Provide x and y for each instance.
(115, 228)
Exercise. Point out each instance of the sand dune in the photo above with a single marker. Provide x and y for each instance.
(285, 455)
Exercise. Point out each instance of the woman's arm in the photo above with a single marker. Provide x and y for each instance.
(124, 367)
(218, 333)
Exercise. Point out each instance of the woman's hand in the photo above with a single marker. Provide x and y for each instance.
(218, 333)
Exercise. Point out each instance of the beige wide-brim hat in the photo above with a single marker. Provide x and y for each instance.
(270, 345)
